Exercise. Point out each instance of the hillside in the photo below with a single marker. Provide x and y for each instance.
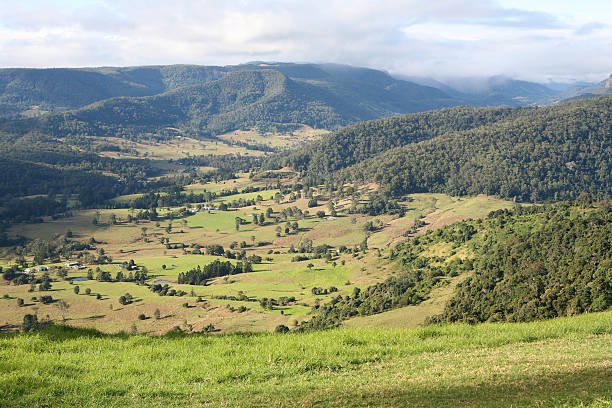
(527, 154)
(550, 262)
(530, 263)
(41, 90)
(562, 362)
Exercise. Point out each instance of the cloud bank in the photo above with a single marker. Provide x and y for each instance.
(413, 37)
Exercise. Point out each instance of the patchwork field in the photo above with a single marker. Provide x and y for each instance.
(168, 247)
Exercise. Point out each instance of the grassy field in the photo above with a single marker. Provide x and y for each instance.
(564, 362)
(173, 149)
(283, 140)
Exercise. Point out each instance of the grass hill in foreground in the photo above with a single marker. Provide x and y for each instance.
(557, 363)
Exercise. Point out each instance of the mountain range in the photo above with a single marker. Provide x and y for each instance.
(208, 100)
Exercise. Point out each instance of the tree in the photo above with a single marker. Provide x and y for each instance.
(123, 300)
(156, 314)
(88, 291)
(63, 306)
(77, 289)
(20, 302)
(310, 266)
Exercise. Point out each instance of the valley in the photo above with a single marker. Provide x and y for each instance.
(301, 235)
(276, 276)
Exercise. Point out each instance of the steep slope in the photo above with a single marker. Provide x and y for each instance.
(539, 263)
(529, 263)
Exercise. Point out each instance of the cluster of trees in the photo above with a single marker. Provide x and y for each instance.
(58, 246)
(126, 299)
(271, 303)
(140, 276)
(166, 290)
(201, 275)
(408, 288)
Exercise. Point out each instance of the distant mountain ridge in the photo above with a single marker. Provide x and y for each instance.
(580, 92)
(204, 100)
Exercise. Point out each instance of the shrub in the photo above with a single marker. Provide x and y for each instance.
(45, 300)
(281, 328)
(30, 322)
(142, 316)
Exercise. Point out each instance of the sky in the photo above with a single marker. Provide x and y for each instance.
(539, 40)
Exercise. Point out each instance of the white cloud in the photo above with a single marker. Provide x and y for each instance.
(417, 37)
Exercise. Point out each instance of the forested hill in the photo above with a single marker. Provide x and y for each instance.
(539, 263)
(70, 88)
(530, 154)
(204, 100)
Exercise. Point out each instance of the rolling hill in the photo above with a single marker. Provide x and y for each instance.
(528, 154)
